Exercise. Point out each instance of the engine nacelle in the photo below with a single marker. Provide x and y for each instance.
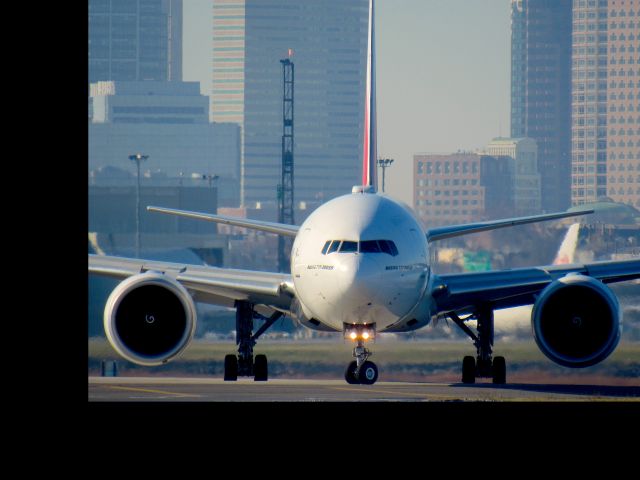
(149, 318)
(576, 321)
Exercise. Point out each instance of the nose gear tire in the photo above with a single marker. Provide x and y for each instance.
(350, 373)
(368, 373)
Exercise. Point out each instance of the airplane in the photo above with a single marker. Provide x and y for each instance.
(360, 265)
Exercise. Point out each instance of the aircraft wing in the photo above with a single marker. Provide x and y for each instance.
(218, 286)
(271, 227)
(441, 233)
(511, 288)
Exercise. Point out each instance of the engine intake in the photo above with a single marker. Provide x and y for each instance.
(149, 319)
(576, 321)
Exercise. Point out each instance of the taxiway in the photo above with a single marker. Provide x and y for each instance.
(161, 389)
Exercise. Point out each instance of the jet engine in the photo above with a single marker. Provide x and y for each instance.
(149, 318)
(576, 321)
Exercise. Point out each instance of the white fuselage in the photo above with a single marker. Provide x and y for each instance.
(378, 274)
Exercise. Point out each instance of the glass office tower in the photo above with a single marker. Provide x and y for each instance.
(327, 42)
(541, 90)
(134, 40)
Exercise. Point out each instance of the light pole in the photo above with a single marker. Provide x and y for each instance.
(384, 163)
(211, 178)
(138, 158)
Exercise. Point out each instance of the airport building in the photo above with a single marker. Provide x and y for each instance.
(169, 122)
(541, 91)
(605, 101)
(135, 40)
(327, 42)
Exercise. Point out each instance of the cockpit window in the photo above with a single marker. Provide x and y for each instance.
(369, 246)
(334, 246)
(387, 246)
(366, 246)
(348, 246)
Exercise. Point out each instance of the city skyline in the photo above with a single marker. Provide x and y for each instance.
(436, 91)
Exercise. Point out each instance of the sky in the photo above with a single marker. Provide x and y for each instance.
(443, 69)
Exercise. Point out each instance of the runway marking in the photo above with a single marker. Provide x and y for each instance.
(148, 390)
(415, 394)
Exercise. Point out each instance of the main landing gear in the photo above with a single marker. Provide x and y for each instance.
(484, 365)
(361, 370)
(244, 364)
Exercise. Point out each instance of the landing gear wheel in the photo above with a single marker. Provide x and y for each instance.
(499, 371)
(260, 368)
(230, 368)
(468, 370)
(368, 373)
(350, 373)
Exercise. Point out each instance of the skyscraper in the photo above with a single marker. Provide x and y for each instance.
(135, 40)
(606, 105)
(623, 95)
(541, 90)
(328, 44)
(589, 101)
(227, 96)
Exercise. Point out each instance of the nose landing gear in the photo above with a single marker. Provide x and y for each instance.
(361, 371)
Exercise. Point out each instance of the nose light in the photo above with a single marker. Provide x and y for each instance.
(360, 332)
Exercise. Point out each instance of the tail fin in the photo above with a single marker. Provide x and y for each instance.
(369, 148)
(567, 250)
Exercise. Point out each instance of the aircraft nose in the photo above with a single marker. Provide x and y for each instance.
(359, 278)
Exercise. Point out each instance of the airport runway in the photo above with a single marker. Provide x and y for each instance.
(158, 389)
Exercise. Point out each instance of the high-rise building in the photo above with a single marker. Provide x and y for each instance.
(227, 96)
(500, 182)
(589, 101)
(327, 42)
(541, 90)
(135, 40)
(169, 121)
(521, 155)
(623, 102)
(605, 101)
(447, 188)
